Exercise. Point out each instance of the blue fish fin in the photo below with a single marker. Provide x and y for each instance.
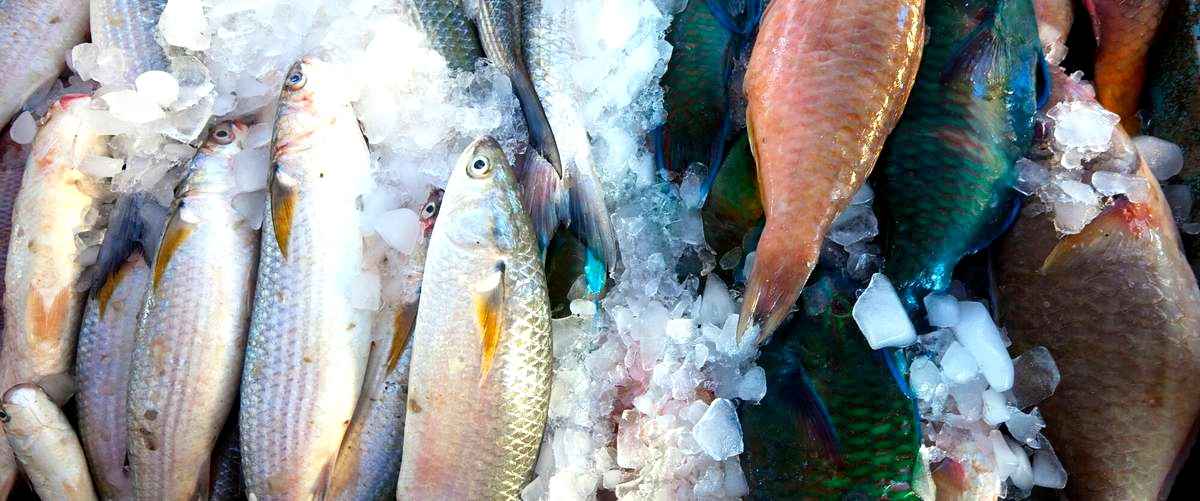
(1045, 81)
(595, 273)
(588, 213)
(815, 419)
(716, 157)
(1010, 217)
(542, 195)
(658, 139)
(721, 12)
(135, 226)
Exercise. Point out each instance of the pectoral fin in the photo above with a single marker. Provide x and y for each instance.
(489, 316)
(283, 206)
(177, 231)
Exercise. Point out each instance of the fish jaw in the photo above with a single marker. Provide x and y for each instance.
(814, 141)
(1124, 31)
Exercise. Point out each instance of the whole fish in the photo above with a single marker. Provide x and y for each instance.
(1124, 30)
(43, 300)
(12, 170)
(1173, 84)
(128, 28)
(949, 167)
(227, 464)
(501, 30)
(815, 138)
(1054, 24)
(45, 444)
(833, 424)
(448, 29)
(35, 37)
(308, 345)
(550, 50)
(188, 360)
(479, 384)
(369, 461)
(106, 342)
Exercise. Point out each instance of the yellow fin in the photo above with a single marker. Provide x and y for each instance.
(109, 287)
(177, 232)
(489, 315)
(283, 206)
(402, 327)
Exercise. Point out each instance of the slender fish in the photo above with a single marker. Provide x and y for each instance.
(35, 37)
(45, 444)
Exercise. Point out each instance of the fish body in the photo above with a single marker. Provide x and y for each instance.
(449, 31)
(12, 170)
(129, 29)
(106, 342)
(45, 444)
(822, 377)
(479, 383)
(307, 348)
(1124, 30)
(732, 207)
(35, 36)
(43, 300)
(188, 360)
(815, 138)
(501, 30)
(949, 167)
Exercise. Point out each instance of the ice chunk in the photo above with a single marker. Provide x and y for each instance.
(260, 134)
(968, 397)
(995, 409)
(937, 341)
(365, 291)
(399, 228)
(1083, 125)
(1077, 206)
(924, 377)
(1031, 176)
(978, 333)
(753, 385)
(100, 166)
(1025, 427)
(251, 206)
(1179, 196)
(1022, 474)
(735, 480)
(1111, 183)
(716, 304)
(1048, 471)
(881, 317)
(183, 25)
(583, 308)
(864, 196)
(1164, 158)
(855, 224)
(681, 330)
(1036, 376)
(131, 107)
(250, 169)
(158, 86)
(942, 310)
(958, 365)
(23, 128)
(718, 432)
(1006, 461)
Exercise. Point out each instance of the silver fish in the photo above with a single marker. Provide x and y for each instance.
(479, 385)
(35, 36)
(46, 445)
(308, 345)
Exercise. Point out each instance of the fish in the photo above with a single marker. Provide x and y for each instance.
(188, 360)
(548, 44)
(1055, 18)
(1173, 83)
(307, 348)
(227, 464)
(500, 24)
(12, 169)
(369, 461)
(127, 29)
(448, 29)
(834, 424)
(45, 444)
(733, 208)
(1124, 30)
(102, 365)
(814, 138)
(479, 380)
(43, 300)
(35, 36)
(948, 170)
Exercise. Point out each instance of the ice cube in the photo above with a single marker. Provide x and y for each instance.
(995, 409)
(23, 128)
(942, 310)
(855, 224)
(958, 365)
(399, 228)
(1111, 183)
(718, 432)
(735, 480)
(131, 107)
(365, 292)
(101, 166)
(753, 385)
(1048, 471)
(250, 169)
(1025, 427)
(583, 308)
(881, 317)
(716, 305)
(924, 377)
(968, 397)
(183, 24)
(1179, 196)
(1036, 376)
(979, 334)
(1082, 125)
(864, 196)
(159, 87)
(1164, 158)
(1031, 176)
(1022, 474)
(1006, 461)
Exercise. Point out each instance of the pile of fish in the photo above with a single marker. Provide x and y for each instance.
(598, 249)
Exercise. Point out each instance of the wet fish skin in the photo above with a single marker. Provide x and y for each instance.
(227, 467)
(814, 138)
(45, 444)
(12, 170)
(449, 31)
(106, 342)
(35, 36)
(130, 26)
(479, 384)
(1124, 30)
(307, 348)
(43, 302)
(188, 360)
(948, 168)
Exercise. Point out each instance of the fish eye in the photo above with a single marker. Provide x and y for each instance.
(4, 417)
(223, 134)
(429, 210)
(296, 79)
(480, 167)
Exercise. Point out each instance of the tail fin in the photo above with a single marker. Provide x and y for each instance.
(589, 217)
(541, 136)
(542, 197)
(814, 417)
(136, 224)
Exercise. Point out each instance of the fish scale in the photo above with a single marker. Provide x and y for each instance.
(1124, 30)
(130, 27)
(448, 30)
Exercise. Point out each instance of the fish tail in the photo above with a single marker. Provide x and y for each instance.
(775, 283)
(541, 136)
(542, 197)
(135, 226)
(815, 418)
(589, 217)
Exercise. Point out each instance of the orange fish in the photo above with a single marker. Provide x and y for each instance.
(1124, 30)
(826, 83)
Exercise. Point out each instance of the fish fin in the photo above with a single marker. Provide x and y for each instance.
(60, 387)
(176, 232)
(978, 56)
(658, 138)
(541, 194)
(997, 231)
(1118, 222)
(1045, 81)
(283, 207)
(594, 273)
(814, 418)
(716, 158)
(135, 226)
(589, 217)
(402, 328)
(541, 136)
(46, 319)
(489, 316)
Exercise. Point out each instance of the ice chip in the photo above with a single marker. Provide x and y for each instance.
(718, 432)
(995, 408)
(1006, 461)
(1179, 196)
(1164, 158)
(399, 228)
(252, 207)
(100, 166)
(365, 292)
(1025, 427)
(583, 308)
(881, 317)
(1031, 176)
(183, 24)
(864, 196)
(735, 480)
(250, 169)
(1036, 376)
(158, 86)
(1083, 125)
(716, 304)
(131, 107)
(1111, 183)
(968, 397)
(753, 385)
(681, 330)
(958, 365)
(979, 334)
(855, 224)
(924, 377)
(1022, 474)
(23, 129)
(1048, 471)
(941, 310)
(260, 134)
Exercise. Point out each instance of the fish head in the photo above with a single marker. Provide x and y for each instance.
(314, 96)
(482, 203)
(213, 167)
(430, 210)
(20, 410)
